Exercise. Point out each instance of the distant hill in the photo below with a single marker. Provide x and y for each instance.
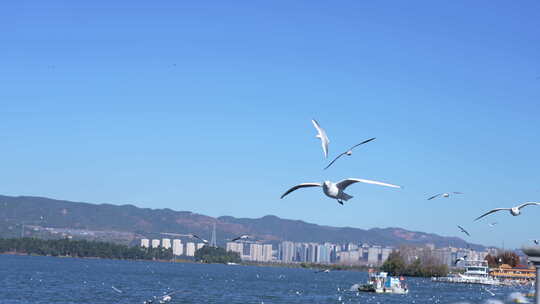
(127, 224)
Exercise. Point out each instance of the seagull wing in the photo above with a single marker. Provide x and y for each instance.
(463, 230)
(490, 212)
(335, 160)
(235, 239)
(349, 181)
(322, 135)
(434, 196)
(527, 204)
(365, 141)
(197, 237)
(304, 185)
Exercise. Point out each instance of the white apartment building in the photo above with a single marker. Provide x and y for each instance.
(190, 249)
(155, 243)
(177, 247)
(166, 243)
(236, 247)
(145, 243)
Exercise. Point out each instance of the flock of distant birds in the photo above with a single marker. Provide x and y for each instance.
(337, 190)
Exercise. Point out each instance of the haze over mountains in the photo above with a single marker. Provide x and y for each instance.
(128, 223)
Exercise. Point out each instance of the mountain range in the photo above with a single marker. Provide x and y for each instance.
(45, 217)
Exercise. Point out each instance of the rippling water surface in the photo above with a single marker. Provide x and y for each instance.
(25, 279)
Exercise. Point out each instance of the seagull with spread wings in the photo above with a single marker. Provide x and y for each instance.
(463, 258)
(336, 190)
(515, 211)
(443, 195)
(321, 134)
(242, 237)
(348, 152)
(197, 237)
(463, 230)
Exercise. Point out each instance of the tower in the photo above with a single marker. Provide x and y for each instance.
(213, 239)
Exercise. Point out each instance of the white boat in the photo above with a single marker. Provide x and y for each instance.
(476, 272)
(380, 282)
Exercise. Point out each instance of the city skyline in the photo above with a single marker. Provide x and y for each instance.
(350, 254)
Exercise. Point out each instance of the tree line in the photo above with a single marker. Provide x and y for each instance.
(82, 248)
(423, 266)
(209, 254)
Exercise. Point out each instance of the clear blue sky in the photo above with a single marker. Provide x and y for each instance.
(206, 107)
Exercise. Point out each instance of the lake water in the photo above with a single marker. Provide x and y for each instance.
(26, 279)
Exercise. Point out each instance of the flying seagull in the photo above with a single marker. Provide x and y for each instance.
(322, 135)
(335, 190)
(463, 230)
(515, 211)
(242, 237)
(197, 237)
(443, 195)
(537, 242)
(490, 292)
(348, 152)
(116, 289)
(463, 258)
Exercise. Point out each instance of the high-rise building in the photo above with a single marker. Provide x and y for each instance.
(352, 247)
(145, 243)
(267, 253)
(255, 252)
(236, 247)
(311, 252)
(190, 249)
(155, 243)
(301, 252)
(166, 243)
(177, 247)
(287, 251)
(323, 254)
(200, 245)
(373, 255)
(349, 257)
(385, 253)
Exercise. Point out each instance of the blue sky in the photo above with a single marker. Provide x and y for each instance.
(206, 107)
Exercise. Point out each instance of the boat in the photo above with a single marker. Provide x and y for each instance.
(381, 282)
(476, 272)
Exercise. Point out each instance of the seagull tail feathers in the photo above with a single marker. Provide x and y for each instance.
(346, 197)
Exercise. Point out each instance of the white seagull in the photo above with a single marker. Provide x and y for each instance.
(197, 237)
(322, 135)
(242, 237)
(335, 190)
(515, 211)
(443, 195)
(348, 152)
(463, 258)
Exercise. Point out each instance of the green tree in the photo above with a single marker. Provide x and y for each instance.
(208, 254)
(395, 264)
